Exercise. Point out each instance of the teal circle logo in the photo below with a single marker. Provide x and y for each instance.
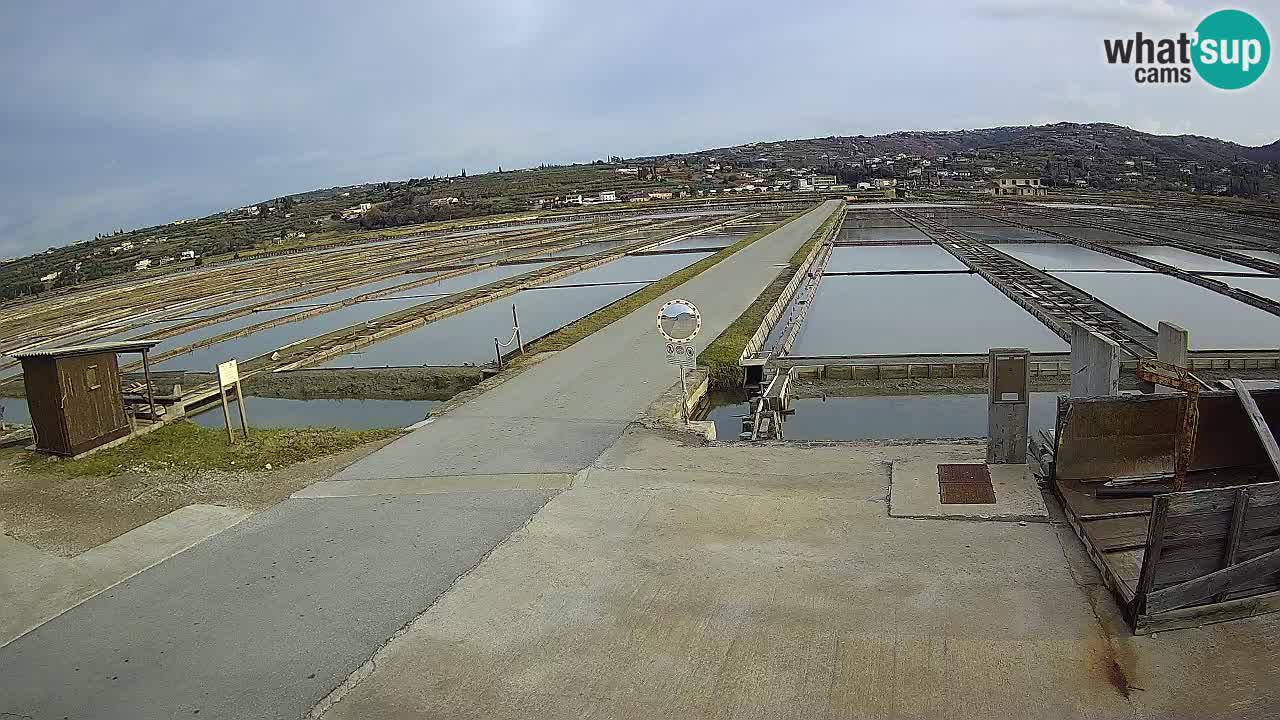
(1232, 49)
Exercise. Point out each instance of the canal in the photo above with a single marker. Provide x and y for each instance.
(880, 417)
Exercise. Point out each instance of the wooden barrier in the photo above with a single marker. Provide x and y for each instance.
(1175, 559)
(1207, 547)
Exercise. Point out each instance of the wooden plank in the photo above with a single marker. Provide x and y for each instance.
(1135, 435)
(1199, 615)
(1123, 591)
(1155, 543)
(1197, 526)
(1222, 499)
(1236, 528)
(1120, 533)
(1126, 564)
(1079, 497)
(1264, 584)
(1252, 544)
(1259, 423)
(1177, 596)
(1180, 563)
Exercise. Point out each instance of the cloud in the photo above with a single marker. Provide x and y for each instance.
(148, 111)
(1144, 11)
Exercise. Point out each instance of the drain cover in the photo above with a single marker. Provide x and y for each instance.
(965, 484)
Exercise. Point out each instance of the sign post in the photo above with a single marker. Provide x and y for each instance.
(679, 322)
(229, 378)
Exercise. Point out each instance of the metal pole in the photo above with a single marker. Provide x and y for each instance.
(684, 393)
(226, 413)
(146, 375)
(516, 319)
(244, 418)
(497, 350)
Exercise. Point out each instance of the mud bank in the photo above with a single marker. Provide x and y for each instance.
(439, 383)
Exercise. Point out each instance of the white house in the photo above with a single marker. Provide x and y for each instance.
(187, 255)
(142, 264)
(608, 196)
(1018, 186)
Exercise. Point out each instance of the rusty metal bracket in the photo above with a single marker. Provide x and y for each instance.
(1177, 377)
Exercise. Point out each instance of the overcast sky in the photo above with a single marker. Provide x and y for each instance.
(119, 115)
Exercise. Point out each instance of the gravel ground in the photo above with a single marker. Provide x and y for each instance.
(68, 515)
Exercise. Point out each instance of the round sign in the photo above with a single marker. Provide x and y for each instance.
(679, 321)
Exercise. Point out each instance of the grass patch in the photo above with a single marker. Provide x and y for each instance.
(722, 354)
(187, 446)
(607, 315)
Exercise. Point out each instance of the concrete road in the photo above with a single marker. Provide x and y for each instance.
(262, 620)
(770, 582)
(266, 619)
(559, 415)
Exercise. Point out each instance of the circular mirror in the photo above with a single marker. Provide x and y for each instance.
(679, 320)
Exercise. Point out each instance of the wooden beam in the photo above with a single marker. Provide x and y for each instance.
(1155, 545)
(1182, 594)
(1232, 545)
(1198, 615)
(151, 398)
(1259, 424)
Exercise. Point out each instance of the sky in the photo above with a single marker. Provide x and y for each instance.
(122, 115)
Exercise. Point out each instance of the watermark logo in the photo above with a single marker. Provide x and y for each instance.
(1229, 50)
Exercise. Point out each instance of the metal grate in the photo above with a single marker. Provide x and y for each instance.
(965, 484)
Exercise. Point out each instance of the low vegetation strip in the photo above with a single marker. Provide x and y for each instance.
(722, 354)
(607, 315)
(185, 446)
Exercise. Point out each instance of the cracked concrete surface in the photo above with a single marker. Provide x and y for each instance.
(777, 586)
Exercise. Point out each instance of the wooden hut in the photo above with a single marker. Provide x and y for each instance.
(74, 395)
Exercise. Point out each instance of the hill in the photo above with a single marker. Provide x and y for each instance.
(1095, 156)
(1101, 141)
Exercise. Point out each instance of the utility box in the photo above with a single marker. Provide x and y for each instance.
(1008, 405)
(74, 395)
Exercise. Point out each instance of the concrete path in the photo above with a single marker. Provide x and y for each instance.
(266, 619)
(261, 621)
(36, 585)
(771, 582)
(559, 415)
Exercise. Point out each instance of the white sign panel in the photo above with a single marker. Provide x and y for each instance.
(681, 353)
(228, 373)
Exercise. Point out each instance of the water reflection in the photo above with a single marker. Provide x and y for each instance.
(900, 314)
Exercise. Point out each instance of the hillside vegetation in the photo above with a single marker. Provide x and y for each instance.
(1064, 155)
